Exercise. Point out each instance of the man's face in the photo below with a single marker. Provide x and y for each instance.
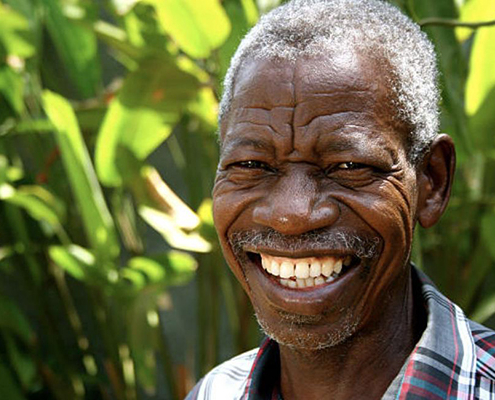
(314, 200)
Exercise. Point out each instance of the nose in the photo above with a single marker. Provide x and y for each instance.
(296, 205)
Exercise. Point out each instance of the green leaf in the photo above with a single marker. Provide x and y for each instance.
(8, 385)
(198, 27)
(250, 11)
(13, 320)
(143, 114)
(12, 88)
(15, 36)
(76, 46)
(75, 260)
(98, 223)
(481, 78)
(35, 207)
(474, 11)
(172, 233)
(171, 268)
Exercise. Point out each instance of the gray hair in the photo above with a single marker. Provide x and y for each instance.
(311, 28)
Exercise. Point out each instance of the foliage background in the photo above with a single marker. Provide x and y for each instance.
(112, 285)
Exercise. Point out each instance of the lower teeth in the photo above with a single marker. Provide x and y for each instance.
(309, 282)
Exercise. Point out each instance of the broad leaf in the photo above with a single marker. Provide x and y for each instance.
(198, 27)
(144, 113)
(481, 78)
(76, 46)
(98, 223)
(474, 11)
(15, 35)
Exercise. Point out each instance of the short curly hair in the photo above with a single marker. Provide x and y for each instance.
(310, 28)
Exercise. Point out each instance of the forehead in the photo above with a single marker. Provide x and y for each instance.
(296, 104)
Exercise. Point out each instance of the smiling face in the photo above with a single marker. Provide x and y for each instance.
(315, 200)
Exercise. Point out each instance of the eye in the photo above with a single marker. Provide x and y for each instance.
(350, 165)
(252, 164)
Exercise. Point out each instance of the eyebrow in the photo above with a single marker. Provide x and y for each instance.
(255, 143)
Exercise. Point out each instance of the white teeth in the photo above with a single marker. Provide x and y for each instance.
(327, 267)
(275, 268)
(319, 281)
(315, 269)
(286, 269)
(302, 270)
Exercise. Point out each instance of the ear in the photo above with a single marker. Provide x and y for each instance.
(435, 175)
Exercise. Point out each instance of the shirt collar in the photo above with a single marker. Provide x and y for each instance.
(443, 357)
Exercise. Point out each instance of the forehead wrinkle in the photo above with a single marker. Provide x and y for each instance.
(256, 143)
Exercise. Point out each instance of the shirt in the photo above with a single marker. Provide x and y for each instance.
(454, 359)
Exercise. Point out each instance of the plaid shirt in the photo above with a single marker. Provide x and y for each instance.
(454, 359)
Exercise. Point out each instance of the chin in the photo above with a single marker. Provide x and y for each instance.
(304, 333)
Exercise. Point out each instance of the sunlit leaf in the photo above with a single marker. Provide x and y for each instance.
(205, 106)
(15, 35)
(76, 46)
(168, 201)
(143, 114)
(189, 22)
(171, 268)
(172, 233)
(12, 319)
(153, 270)
(98, 223)
(75, 260)
(38, 208)
(474, 11)
(123, 6)
(250, 11)
(481, 78)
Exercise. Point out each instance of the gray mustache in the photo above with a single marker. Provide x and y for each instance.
(362, 247)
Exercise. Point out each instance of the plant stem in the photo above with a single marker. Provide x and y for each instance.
(453, 23)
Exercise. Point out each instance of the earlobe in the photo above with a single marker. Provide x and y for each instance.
(435, 176)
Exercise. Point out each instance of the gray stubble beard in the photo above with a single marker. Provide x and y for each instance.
(298, 335)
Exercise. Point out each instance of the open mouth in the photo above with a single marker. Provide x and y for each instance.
(301, 273)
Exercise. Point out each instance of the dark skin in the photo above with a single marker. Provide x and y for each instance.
(314, 146)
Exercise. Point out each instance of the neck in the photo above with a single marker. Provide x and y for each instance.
(363, 366)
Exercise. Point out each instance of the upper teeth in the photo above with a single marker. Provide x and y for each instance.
(306, 271)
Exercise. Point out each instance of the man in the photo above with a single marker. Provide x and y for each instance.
(329, 157)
